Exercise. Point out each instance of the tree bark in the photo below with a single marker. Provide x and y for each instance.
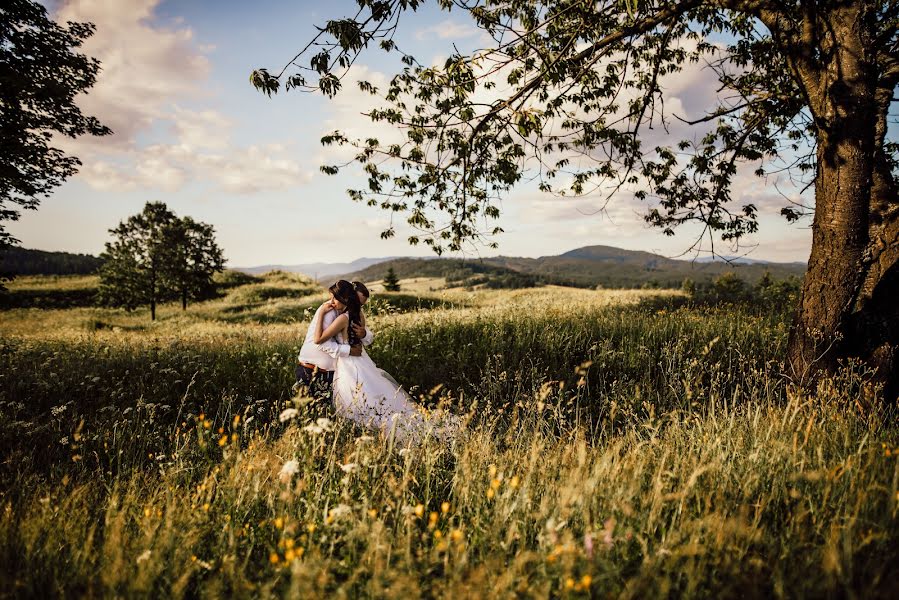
(848, 305)
(153, 294)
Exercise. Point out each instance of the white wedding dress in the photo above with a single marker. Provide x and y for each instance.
(369, 396)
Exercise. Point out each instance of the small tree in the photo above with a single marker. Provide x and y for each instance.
(391, 281)
(198, 259)
(134, 268)
(156, 256)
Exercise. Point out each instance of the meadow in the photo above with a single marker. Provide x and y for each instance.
(618, 443)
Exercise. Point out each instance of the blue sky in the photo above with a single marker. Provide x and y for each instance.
(192, 132)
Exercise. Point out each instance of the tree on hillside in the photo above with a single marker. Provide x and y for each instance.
(41, 73)
(198, 259)
(391, 281)
(156, 256)
(576, 88)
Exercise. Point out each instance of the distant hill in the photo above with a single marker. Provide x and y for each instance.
(586, 267)
(453, 269)
(23, 261)
(319, 269)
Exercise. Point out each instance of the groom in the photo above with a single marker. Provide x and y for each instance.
(316, 362)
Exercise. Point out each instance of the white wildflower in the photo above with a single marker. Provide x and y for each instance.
(348, 468)
(145, 555)
(320, 426)
(287, 414)
(339, 511)
(289, 469)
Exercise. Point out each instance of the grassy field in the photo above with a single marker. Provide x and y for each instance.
(618, 444)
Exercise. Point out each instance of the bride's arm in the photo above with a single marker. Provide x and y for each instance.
(338, 325)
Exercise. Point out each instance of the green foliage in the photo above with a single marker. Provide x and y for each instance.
(41, 73)
(391, 281)
(587, 80)
(22, 261)
(156, 256)
(768, 294)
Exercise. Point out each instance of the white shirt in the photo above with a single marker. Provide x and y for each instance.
(325, 355)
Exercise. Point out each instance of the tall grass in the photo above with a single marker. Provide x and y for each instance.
(613, 449)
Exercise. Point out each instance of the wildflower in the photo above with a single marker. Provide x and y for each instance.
(456, 535)
(586, 580)
(279, 523)
(273, 558)
(372, 513)
(444, 508)
(289, 555)
(438, 534)
(490, 494)
(419, 510)
(569, 584)
(147, 512)
(287, 414)
(236, 420)
(289, 543)
(223, 440)
(495, 484)
(206, 507)
(287, 471)
(341, 510)
(492, 470)
(145, 555)
(348, 468)
(310, 527)
(207, 424)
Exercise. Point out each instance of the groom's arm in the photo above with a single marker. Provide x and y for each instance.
(365, 335)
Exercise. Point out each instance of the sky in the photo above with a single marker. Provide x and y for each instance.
(190, 131)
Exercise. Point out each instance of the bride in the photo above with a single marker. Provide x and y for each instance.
(366, 394)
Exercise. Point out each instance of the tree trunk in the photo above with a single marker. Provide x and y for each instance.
(152, 294)
(184, 299)
(848, 306)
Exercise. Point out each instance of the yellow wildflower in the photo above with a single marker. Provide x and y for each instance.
(586, 580)
(273, 558)
(419, 510)
(490, 494)
(569, 584)
(444, 508)
(279, 522)
(513, 483)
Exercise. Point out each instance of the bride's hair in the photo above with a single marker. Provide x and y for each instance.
(344, 291)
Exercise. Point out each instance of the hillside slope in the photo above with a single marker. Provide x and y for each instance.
(585, 267)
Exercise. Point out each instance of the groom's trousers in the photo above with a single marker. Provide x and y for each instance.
(317, 381)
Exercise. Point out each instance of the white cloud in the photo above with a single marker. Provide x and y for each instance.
(148, 72)
(447, 30)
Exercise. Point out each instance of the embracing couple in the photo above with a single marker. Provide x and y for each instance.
(333, 362)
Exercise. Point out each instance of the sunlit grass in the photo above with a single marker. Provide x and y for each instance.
(613, 448)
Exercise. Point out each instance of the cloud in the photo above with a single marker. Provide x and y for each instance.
(149, 71)
(169, 167)
(446, 30)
